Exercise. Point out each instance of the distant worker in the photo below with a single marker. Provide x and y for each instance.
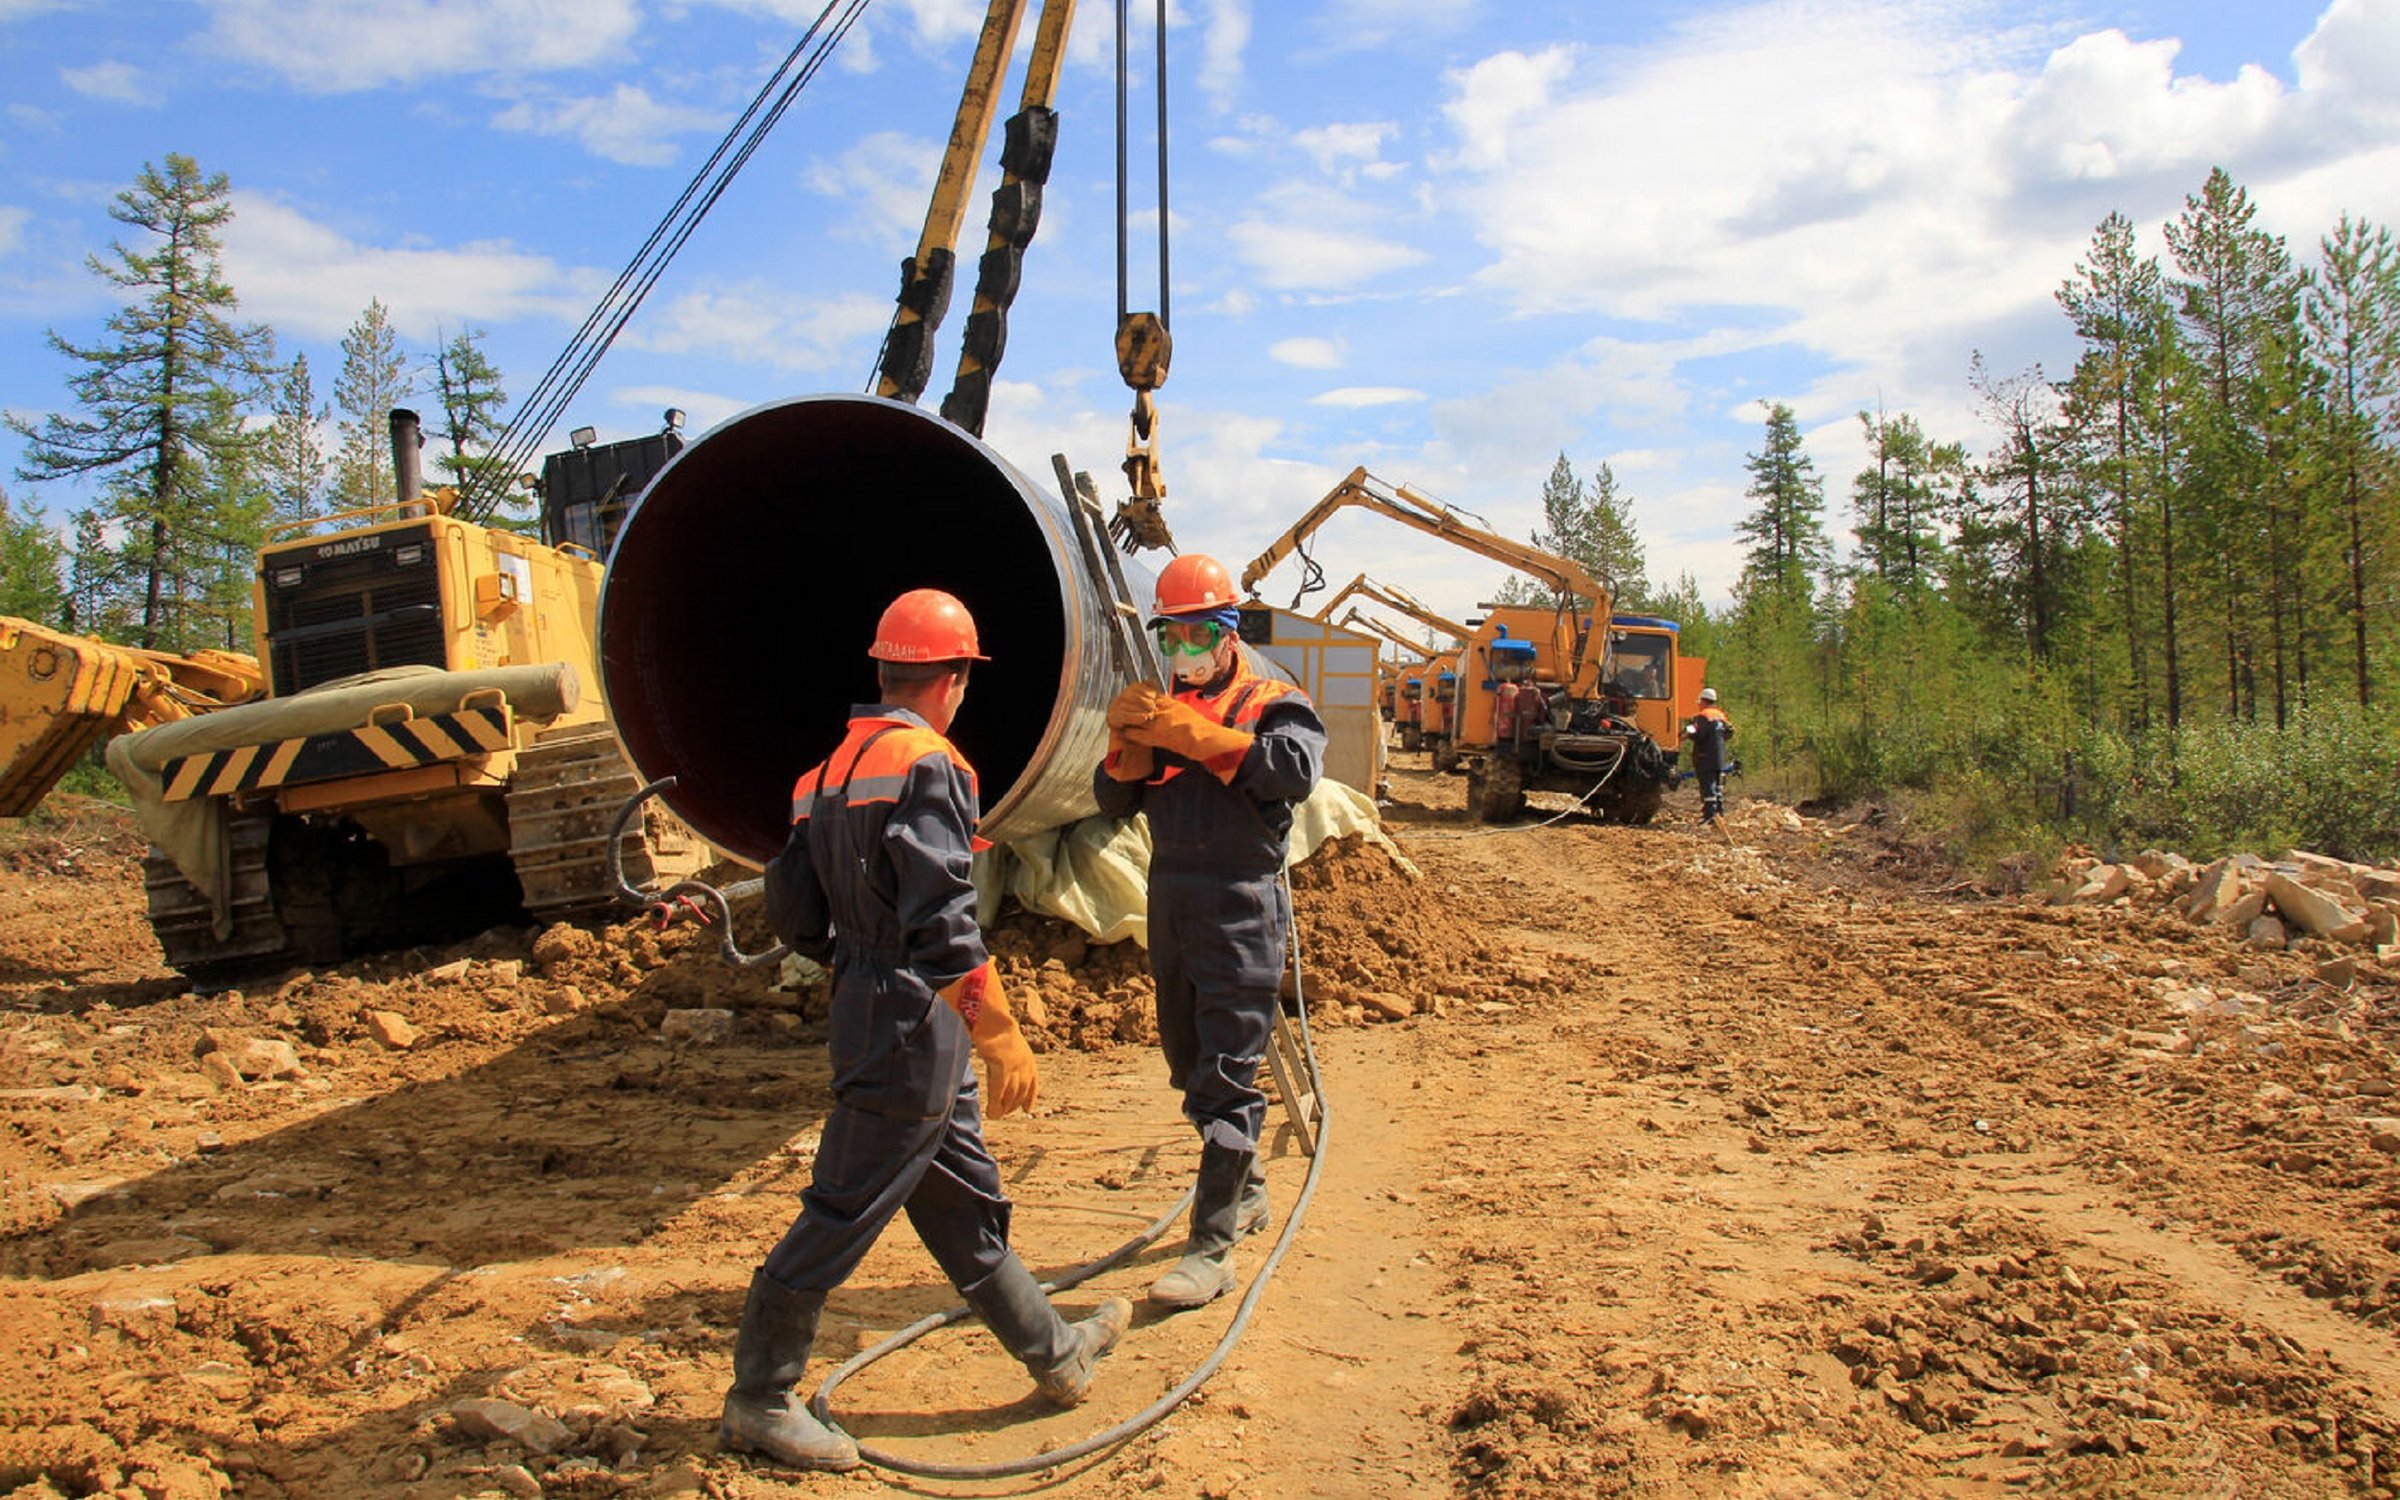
(1711, 736)
(874, 881)
(1217, 765)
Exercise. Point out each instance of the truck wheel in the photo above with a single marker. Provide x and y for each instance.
(1495, 790)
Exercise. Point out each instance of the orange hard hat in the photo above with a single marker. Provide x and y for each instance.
(926, 625)
(1193, 584)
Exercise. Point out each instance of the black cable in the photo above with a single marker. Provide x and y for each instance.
(529, 428)
(1121, 227)
(822, 1402)
(1162, 167)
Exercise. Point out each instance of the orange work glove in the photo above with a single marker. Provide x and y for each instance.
(1137, 707)
(1128, 761)
(1196, 737)
(1010, 1080)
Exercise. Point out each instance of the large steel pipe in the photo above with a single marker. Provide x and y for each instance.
(743, 591)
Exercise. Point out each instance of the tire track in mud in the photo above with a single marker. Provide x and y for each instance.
(1795, 1130)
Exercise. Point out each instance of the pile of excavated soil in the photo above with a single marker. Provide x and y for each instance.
(1377, 943)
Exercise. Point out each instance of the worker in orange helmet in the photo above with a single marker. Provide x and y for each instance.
(1711, 736)
(874, 882)
(1217, 766)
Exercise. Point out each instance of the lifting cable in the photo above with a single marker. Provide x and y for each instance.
(513, 451)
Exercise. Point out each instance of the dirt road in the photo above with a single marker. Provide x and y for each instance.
(1699, 1165)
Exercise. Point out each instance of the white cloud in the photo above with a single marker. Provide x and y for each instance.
(1355, 147)
(17, 10)
(12, 228)
(1306, 353)
(770, 326)
(1493, 95)
(33, 117)
(626, 126)
(310, 280)
(701, 409)
(2355, 47)
(1375, 25)
(1302, 238)
(339, 46)
(885, 178)
(116, 82)
(1224, 37)
(1357, 396)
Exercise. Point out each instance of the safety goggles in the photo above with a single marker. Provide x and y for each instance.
(1188, 637)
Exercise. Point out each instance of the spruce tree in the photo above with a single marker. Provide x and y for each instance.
(1786, 538)
(159, 404)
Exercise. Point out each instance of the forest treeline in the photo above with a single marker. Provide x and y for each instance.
(2159, 605)
(196, 438)
(2157, 600)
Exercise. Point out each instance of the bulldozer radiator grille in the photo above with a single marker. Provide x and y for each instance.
(338, 608)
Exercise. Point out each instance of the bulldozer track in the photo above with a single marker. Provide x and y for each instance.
(185, 920)
(566, 791)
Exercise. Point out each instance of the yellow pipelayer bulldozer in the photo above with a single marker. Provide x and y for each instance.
(431, 755)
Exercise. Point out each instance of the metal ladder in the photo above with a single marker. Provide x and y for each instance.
(1138, 663)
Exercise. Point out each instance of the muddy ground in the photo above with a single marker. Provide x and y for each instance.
(1773, 1161)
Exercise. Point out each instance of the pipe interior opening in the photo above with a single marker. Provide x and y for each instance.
(744, 590)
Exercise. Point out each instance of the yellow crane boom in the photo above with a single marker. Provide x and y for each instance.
(1585, 648)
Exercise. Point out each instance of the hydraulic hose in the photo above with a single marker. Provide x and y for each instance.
(822, 1402)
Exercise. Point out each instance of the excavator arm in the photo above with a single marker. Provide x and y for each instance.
(1587, 650)
(1374, 626)
(1390, 597)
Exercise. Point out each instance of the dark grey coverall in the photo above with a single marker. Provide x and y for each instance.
(874, 884)
(1219, 917)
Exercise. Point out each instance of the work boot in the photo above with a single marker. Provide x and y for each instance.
(1058, 1355)
(763, 1413)
(1206, 1271)
(1250, 1213)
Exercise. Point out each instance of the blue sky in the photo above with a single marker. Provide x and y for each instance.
(1447, 239)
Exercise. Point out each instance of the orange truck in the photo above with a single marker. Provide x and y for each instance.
(1574, 724)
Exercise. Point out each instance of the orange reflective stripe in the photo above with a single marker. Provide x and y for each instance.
(874, 758)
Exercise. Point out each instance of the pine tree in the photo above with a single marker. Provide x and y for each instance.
(1786, 533)
(161, 403)
(2117, 303)
(2030, 511)
(293, 467)
(373, 381)
(2234, 295)
(2353, 316)
(32, 584)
